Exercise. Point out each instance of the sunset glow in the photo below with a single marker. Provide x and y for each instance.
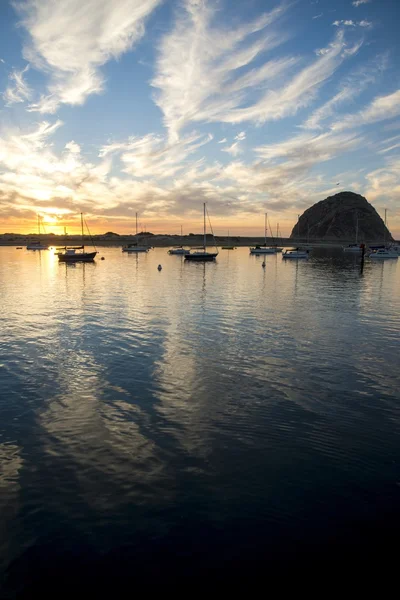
(155, 107)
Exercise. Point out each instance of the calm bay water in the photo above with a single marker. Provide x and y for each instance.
(205, 418)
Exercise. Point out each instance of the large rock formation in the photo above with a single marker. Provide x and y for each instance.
(336, 219)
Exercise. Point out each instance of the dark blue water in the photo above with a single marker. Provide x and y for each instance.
(215, 421)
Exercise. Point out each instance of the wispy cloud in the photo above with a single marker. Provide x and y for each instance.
(310, 149)
(18, 90)
(70, 41)
(318, 16)
(351, 87)
(380, 109)
(199, 64)
(383, 184)
(357, 3)
(240, 136)
(298, 92)
(234, 149)
(351, 23)
(152, 156)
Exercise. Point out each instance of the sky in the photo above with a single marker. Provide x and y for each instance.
(113, 107)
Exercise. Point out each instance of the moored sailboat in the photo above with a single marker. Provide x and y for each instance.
(229, 247)
(356, 247)
(265, 249)
(179, 251)
(36, 244)
(295, 253)
(74, 254)
(135, 247)
(202, 255)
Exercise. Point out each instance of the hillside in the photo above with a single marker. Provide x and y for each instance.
(335, 218)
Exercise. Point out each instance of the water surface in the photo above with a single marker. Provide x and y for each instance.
(202, 419)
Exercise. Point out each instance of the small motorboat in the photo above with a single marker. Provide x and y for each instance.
(228, 248)
(135, 248)
(355, 248)
(179, 251)
(295, 253)
(395, 248)
(383, 253)
(264, 250)
(36, 245)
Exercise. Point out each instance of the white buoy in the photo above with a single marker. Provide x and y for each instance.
(159, 267)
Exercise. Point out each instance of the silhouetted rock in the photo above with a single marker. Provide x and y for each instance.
(336, 218)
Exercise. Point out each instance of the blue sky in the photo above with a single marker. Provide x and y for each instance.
(113, 107)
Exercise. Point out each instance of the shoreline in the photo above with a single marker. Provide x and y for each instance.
(165, 241)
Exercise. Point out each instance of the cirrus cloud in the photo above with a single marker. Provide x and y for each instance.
(69, 41)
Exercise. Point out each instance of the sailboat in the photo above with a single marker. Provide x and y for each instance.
(179, 250)
(264, 249)
(35, 244)
(70, 254)
(295, 253)
(228, 247)
(354, 247)
(202, 256)
(134, 247)
(391, 251)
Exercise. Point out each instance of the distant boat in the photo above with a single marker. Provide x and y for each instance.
(265, 249)
(354, 247)
(179, 251)
(36, 244)
(228, 247)
(295, 253)
(383, 253)
(203, 255)
(395, 248)
(74, 254)
(134, 247)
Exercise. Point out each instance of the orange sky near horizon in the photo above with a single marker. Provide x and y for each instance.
(247, 225)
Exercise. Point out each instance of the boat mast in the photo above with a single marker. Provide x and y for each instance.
(265, 230)
(384, 231)
(38, 224)
(356, 227)
(204, 226)
(82, 230)
(136, 226)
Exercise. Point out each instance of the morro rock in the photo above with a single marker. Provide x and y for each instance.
(336, 219)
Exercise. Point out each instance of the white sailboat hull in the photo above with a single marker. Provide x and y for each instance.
(352, 249)
(179, 252)
(293, 254)
(263, 250)
(383, 255)
(135, 250)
